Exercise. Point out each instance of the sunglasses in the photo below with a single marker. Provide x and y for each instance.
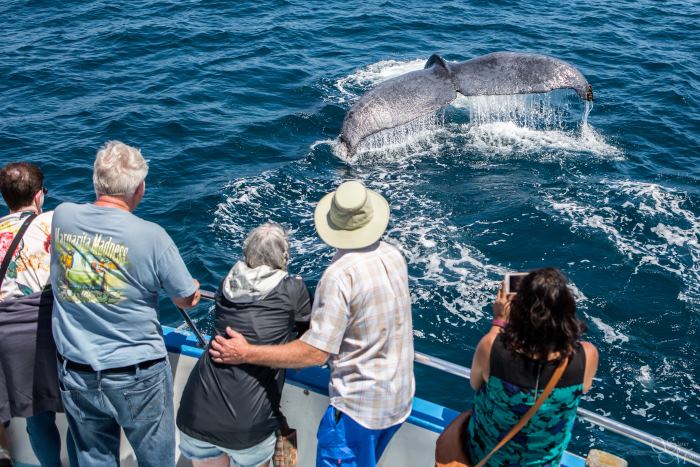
(44, 190)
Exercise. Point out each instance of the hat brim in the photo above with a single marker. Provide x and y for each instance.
(352, 239)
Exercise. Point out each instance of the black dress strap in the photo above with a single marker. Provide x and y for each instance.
(521, 370)
(13, 246)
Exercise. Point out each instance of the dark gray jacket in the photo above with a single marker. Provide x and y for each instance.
(28, 374)
(237, 406)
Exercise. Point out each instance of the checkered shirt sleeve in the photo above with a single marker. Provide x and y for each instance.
(329, 316)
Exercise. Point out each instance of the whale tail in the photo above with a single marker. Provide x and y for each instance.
(398, 101)
(407, 97)
(502, 73)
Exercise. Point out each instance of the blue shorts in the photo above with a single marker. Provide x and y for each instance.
(253, 456)
(344, 442)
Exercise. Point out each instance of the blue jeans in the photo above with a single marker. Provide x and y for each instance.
(347, 443)
(46, 440)
(140, 401)
(253, 456)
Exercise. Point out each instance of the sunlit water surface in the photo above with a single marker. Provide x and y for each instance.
(237, 105)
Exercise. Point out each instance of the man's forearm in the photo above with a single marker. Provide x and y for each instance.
(188, 302)
(295, 354)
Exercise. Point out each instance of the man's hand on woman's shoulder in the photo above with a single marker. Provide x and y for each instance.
(231, 350)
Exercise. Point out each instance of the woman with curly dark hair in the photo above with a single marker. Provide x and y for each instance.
(533, 330)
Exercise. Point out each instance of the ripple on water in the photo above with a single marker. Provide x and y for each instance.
(220, 95)
(652, 226)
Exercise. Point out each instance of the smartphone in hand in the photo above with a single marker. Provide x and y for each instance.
(512, 280)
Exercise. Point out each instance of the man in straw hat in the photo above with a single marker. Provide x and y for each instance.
(360, 324)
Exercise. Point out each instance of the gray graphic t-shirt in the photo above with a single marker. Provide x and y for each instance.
(107, 268)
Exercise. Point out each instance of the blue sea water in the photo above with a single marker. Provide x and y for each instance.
(237, 105)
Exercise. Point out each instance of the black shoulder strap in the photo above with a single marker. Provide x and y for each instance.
(13, 246)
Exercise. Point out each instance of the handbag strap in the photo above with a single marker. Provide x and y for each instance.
(531, 412)
(13, 246)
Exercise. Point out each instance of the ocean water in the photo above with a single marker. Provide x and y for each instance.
(238, 106)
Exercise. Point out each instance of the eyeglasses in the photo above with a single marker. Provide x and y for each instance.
(44, 190)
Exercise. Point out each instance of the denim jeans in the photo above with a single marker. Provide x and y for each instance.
(253, 456)
(46, 440)
(97, 404)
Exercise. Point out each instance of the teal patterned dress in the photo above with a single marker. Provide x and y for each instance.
(508, 394)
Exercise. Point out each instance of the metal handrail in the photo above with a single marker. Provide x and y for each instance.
(657, 444)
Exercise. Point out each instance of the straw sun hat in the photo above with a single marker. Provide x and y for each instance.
(351, 217)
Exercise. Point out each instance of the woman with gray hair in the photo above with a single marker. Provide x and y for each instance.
(231, 412)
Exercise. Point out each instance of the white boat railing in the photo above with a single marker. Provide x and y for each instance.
(659, 445)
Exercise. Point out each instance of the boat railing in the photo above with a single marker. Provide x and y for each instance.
(659, 445)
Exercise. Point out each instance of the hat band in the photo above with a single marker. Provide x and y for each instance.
(350, 220)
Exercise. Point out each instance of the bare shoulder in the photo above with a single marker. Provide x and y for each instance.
(591, 365)
(488, 339)
(590, 350)
(480, 362)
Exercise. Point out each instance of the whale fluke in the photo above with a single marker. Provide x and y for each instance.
(407, 97)
(502, 73)
(396, 102)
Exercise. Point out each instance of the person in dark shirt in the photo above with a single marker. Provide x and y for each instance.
(533, 330)
(231, 412)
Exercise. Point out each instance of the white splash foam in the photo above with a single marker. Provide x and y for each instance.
(506, 138)
(330, 142)
(645, 375)
(642, 412)
(429, 134)
(627, 212)
(447, 276)
(610, 334)
(447, 271)
(359, 81)
(527, 110)
(396, 144)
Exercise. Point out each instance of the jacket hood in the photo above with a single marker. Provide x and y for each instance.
(244, 284)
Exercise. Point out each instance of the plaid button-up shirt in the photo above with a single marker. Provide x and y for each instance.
(362, 317)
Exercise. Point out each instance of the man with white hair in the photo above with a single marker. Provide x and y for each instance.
(107, 267)
(360, 324)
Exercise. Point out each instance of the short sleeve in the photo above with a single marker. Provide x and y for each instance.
(174, 277)
(329, 315)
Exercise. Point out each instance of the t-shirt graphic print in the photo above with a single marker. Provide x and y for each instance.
(108, 267)
(91, 266)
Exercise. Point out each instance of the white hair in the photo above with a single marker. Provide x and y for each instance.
(119, 169)
(267, 245)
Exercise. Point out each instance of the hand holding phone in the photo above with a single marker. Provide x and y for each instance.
(512, 281)
(501, 306)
